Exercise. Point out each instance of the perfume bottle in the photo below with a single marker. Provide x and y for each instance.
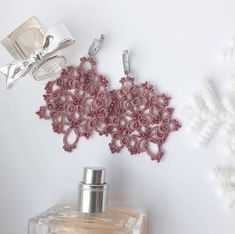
(25, 39)
(91, 214)
(29, 42)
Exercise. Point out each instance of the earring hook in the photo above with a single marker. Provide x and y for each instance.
(96, 45)
(126, 62)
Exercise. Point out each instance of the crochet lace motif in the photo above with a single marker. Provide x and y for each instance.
(135, 116)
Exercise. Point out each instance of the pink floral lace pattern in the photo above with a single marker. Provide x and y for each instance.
(140, 119)
(135, 116)
(77, 103)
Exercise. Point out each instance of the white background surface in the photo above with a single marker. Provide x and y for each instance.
(174, 44)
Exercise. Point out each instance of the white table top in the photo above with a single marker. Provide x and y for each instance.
(174, 45)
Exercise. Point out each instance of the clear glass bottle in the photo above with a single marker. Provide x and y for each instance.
(25, 39)
(91, 214)
(28, 38)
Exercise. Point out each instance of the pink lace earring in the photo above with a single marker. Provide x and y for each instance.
(139, 117)
(77, 102)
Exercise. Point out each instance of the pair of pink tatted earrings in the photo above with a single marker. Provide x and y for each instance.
(79, 102)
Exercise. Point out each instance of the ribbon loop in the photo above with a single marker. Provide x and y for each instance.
(56, 38)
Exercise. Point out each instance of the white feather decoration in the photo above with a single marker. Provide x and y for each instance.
(224, 178)
(229, 52)
(207, 113)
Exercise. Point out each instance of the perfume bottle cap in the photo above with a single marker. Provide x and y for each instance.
(94, 175)
(93, 191)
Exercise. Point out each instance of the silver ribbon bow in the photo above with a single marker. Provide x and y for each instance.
(56, 38)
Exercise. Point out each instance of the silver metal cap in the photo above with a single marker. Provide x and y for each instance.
(93, 191)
